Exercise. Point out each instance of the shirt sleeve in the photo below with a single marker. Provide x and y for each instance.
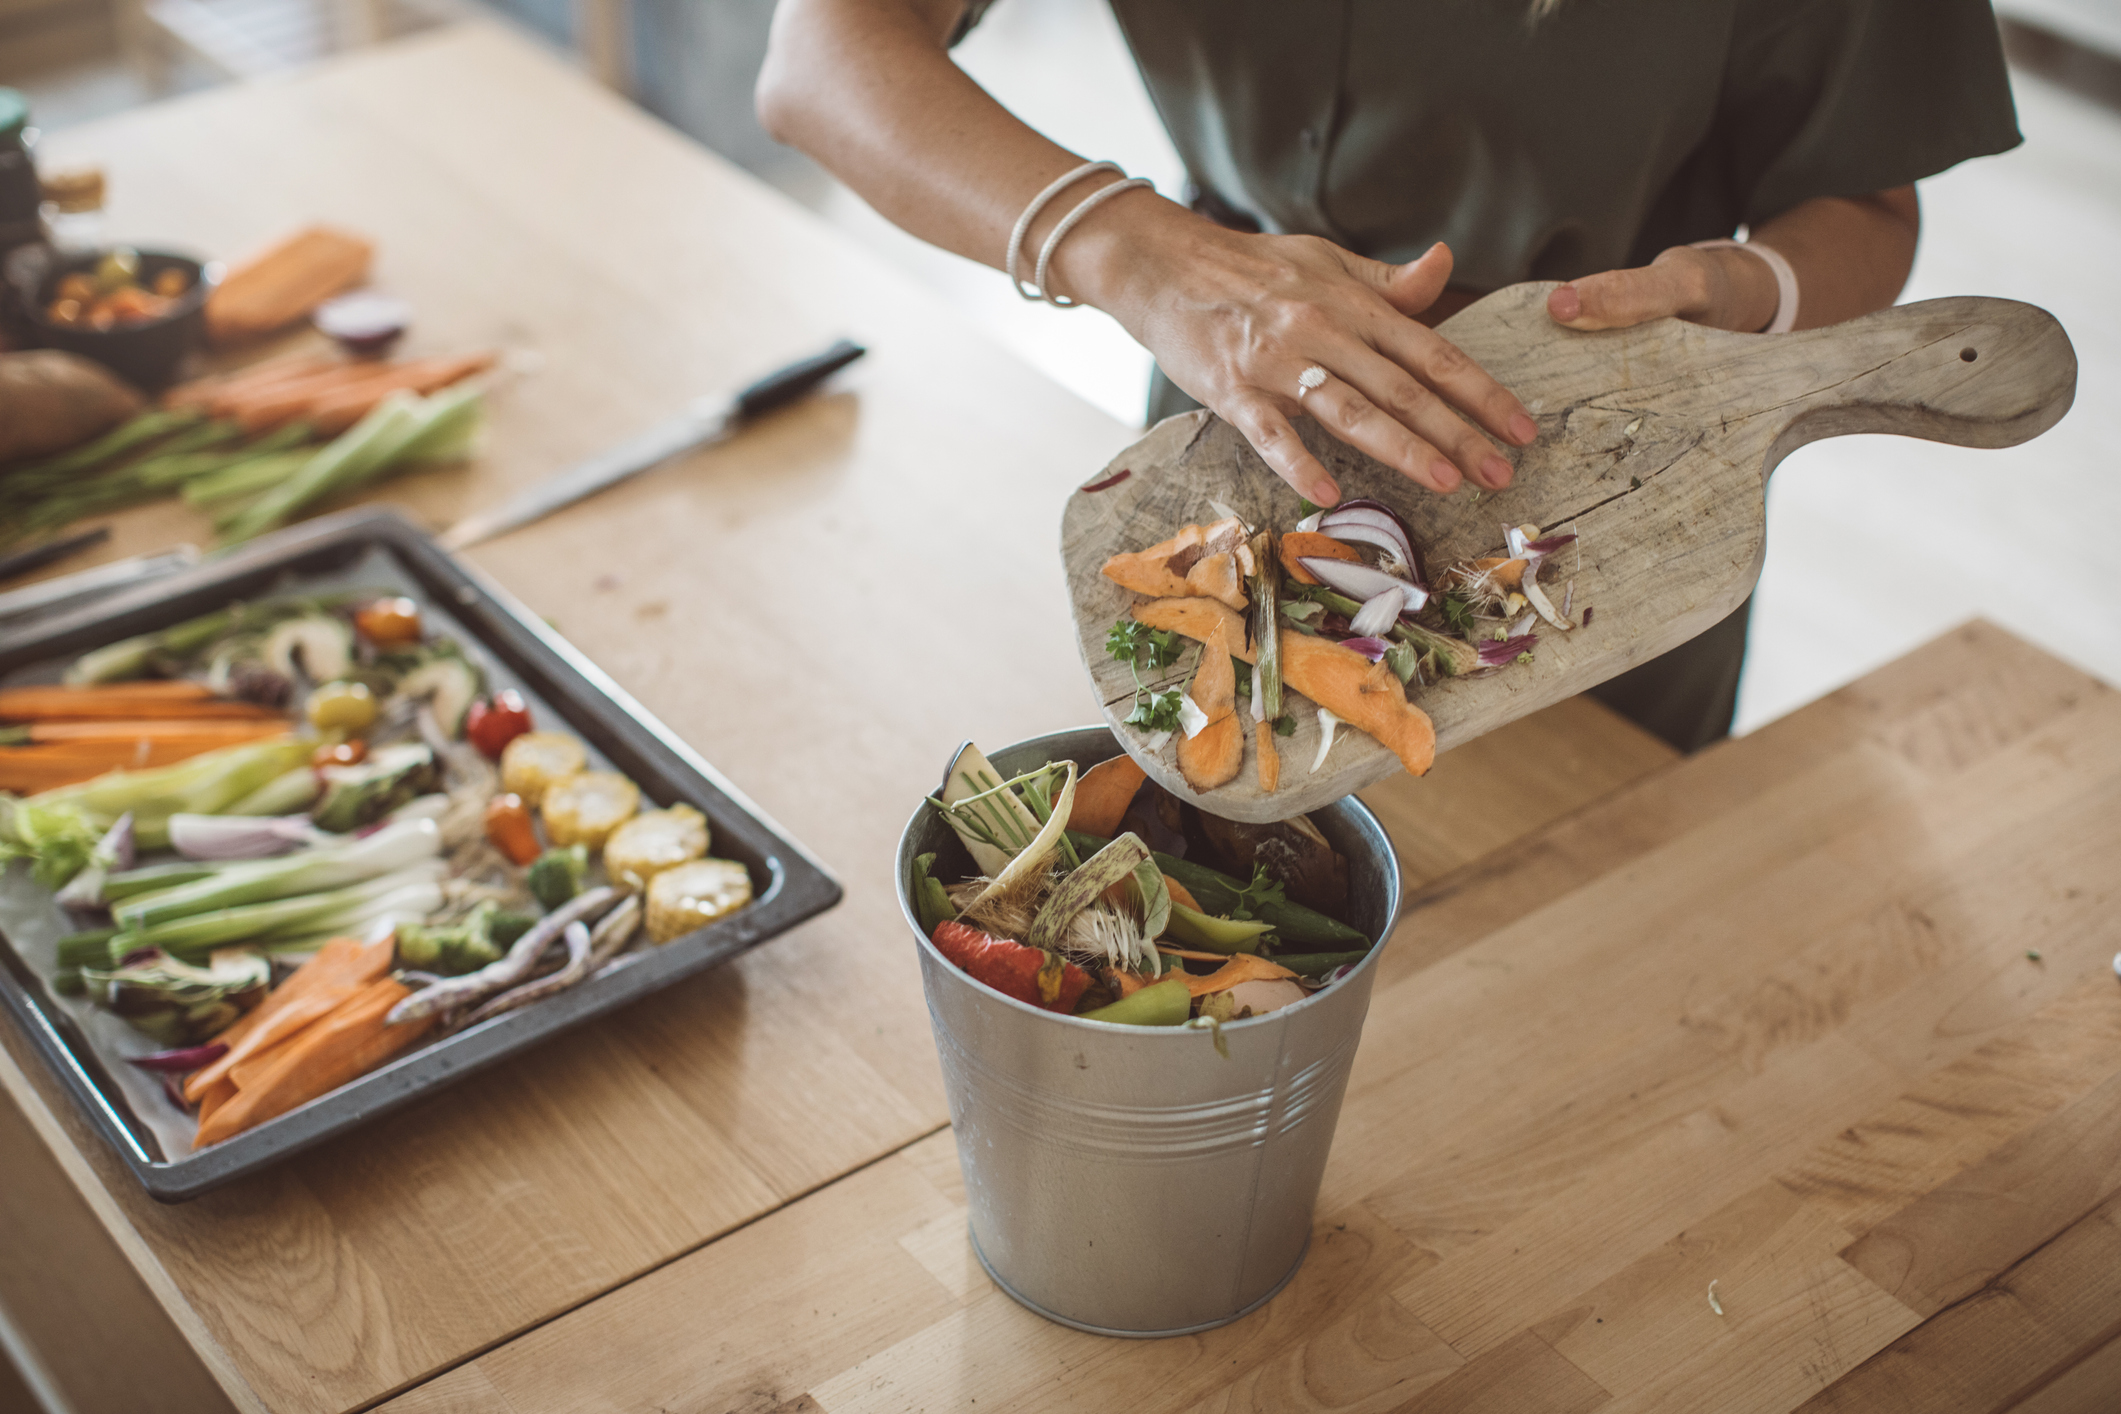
(1848, 97)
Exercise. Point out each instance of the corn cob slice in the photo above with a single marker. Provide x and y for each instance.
(653, 841)
(584, 809)
(536, 761)
(693, 895)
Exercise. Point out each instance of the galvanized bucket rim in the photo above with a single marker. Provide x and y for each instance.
(1176, 1034)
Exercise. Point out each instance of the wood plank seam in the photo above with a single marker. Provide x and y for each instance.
(512, 1336)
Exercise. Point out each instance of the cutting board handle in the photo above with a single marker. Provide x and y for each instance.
(1969, 371)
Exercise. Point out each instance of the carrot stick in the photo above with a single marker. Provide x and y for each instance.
(345, 964)
(225, 731)
(350, 1042)
(29, 769)
(163, 701)
(203, 392)
(336, 412)
(286, 401)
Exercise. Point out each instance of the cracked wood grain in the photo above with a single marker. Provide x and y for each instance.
(1655, 444)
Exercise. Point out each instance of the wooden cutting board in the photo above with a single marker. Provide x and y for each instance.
(1655, 445)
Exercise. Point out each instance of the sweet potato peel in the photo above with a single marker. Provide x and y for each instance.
(1336, 678)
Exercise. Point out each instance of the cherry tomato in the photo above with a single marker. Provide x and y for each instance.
(508, 826)
(389, 623)
(495, 721)
(346, 753)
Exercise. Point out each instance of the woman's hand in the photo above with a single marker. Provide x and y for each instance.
(1234, 319)
(1851, 256)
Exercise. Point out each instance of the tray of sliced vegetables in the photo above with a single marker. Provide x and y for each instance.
(318, 827)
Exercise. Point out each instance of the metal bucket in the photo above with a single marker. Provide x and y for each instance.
(1130, 1180)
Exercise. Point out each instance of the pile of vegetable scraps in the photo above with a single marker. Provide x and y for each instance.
(1340, 608)
(324, 842)
(1104, 897)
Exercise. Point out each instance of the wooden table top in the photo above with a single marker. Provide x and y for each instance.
(1765, 1017)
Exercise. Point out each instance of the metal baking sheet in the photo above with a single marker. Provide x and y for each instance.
(377, 548)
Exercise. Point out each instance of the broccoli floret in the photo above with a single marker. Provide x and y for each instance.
(557, 875)
(452, 948)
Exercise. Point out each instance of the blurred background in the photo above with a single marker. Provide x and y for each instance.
(1875, 544)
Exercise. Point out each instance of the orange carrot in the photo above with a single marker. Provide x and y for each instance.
(224, 732)
(1241, 967)
(1363, 694)
(289, 399)
(163, 701)
(345, 1045)
(1269, 758)
(1103, 795)
(1162, 570)
(29, 769)
(205, 392)
(1213, 755)
(1181, 895)
(343, 964)
(1299, 545)
(333, 413)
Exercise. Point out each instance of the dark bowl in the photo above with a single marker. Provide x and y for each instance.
(145, 354)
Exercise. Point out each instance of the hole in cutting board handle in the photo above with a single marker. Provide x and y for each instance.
(1968, 355)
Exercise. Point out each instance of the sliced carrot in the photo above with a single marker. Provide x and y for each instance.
(1213, 755)
(335, 412)
(215, 1096)
(1160, 570)
(1300, 545)
(1507, 573)
(1103, 795)
(1202, 620)
(1216, 577)
(345, 1045)
(1241, 967)
(206, 393)
(1180, 894)
(290, 399)
(26, 769)
(1363, 694)
(163, 701)
(341, 964)
(222, 732)
(1269, 758)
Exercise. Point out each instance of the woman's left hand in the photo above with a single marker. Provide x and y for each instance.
(1724, 289)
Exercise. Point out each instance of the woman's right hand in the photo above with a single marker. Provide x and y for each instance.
(1233, 319)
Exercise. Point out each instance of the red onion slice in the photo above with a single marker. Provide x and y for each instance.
(1365, 511)
(1372, 648)
(1494, 654)
(1361, 525)
(1363, 582)
(178, 1062)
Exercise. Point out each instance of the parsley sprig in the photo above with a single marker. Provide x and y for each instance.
(1263, 892)
(1138, 646)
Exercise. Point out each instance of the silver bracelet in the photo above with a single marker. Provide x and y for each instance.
(1038, 204)
(1089, 203)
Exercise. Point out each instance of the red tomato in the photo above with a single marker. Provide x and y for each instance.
(389, 623)
(345, 753)
(495, 721)
(1008, 966)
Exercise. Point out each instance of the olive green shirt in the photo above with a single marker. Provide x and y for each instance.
(1588, 140)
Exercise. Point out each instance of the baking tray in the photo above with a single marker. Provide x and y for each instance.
(375, 547)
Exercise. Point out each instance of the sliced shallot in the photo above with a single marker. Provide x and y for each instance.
(1372, 648)
(1326, 723)
(1379, 613)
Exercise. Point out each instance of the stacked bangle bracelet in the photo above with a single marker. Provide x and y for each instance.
(1785, 280)
(1037, 289)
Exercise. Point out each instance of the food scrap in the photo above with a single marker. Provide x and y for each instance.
(299, 836)
(1099, 895)
(1339, 609)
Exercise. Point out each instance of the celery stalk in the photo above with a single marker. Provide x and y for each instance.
(307, 871)
(330, 911)
(369, 444)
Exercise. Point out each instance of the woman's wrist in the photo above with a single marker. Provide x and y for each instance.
(1742, 293)
(1116, 255)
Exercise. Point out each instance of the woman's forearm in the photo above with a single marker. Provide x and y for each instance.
(1851, 255)
(868, 88)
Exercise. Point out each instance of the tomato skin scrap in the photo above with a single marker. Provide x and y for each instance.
(1008, 967)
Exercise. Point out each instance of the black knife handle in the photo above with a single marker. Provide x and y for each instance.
(784, 386)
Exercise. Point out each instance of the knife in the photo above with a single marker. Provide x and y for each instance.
(707, 420)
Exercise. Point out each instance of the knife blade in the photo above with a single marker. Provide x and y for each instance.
(708, 419)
